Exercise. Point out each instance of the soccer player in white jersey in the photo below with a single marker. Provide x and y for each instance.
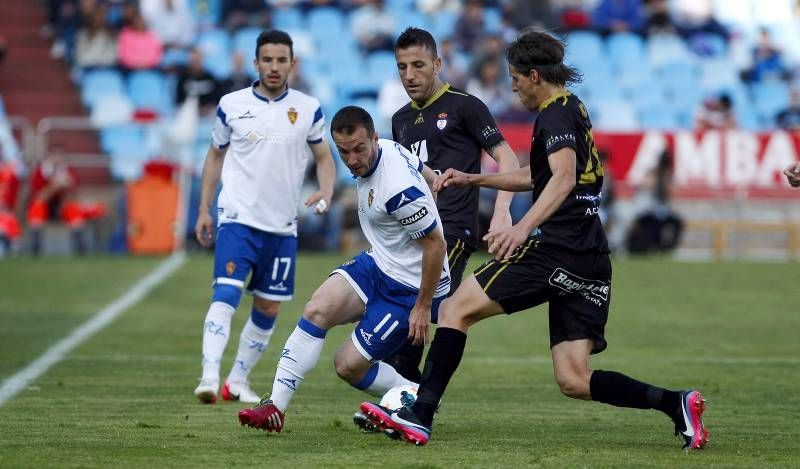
(261, 139)
(393, 290)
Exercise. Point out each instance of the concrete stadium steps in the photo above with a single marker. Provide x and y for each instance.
(34, 85)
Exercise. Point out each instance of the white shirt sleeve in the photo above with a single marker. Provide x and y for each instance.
(221, 135)
(317, 130)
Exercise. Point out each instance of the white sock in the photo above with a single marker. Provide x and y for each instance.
(384, 377)
(299, 356)
(216, 331)
(252, 343)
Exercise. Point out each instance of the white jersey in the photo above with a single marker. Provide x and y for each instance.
(266, 160)
(395, 208)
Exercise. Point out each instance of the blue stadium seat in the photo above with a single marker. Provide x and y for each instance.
(411, 18)
(647, 95)
(584, 46)
(98, 83)
(717, 73)
(287, 18)
(381, 66)
(148, 90)
(659, 118)
(127, 140)
(749, 118)
(444, 23)
(625, 47)
(615, 115)
(770, 97)
(326, 19)
(304, 46)
(174, 58)
(492, 19)
(215, 45)
(667, 48)
(244, 42)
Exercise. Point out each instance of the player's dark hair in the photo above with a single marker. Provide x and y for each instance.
(534, 50)
(274, 36)
(416, 37)
(349, 118)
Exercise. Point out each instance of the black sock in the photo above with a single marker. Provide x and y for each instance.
(406, 361)
(619, 390)
(443, 359)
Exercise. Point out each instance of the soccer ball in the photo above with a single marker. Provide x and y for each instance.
(399, 396)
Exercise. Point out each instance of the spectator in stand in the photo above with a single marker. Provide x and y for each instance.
(658, 19)
(657, 227)
(96, 45)
(470, 27)
(489, 86)
(139, 48)
(454, 65)
(9, 189)
(52, 196)
(194, 80)
(615, 16)
(697, 16)
(171, 20)
(239, 78)
(792, 173)
(789, 118)
(373, 27)
(237, 14)
(525, 14)
(716, 113)
(767, 60)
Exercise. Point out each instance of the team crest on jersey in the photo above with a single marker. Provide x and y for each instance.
(292, 113)
(370, 197)
(441, 124)
(230, 267)
(419, 120)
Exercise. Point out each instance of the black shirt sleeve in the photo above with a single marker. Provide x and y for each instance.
(556, 125)
(480, 124)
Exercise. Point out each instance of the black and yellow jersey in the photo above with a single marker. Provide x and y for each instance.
(449, 131)
(563, 121)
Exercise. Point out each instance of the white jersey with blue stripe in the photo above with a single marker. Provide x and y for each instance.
(395, 208)
(268, 150)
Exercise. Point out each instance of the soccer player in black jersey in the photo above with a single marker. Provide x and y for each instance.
(446, 128)
(557, 253)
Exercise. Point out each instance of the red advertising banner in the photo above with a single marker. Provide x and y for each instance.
(705, 164)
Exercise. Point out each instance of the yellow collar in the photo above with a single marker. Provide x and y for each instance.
(432, 98)
(551, 99)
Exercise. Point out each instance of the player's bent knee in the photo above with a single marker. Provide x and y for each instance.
(315, 312)
(228, 294)
(346, 372)
(574, 385)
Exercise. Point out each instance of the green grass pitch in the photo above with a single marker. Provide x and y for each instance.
(124, 397)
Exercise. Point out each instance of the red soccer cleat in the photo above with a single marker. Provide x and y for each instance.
(692, 407)
(264, 416)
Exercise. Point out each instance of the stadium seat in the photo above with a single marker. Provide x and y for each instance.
(667, 48)
(443, 23)
(326, 19)
(749, 118)
(657, 117)
(615, 115)
(215, 45)
(411, 18)
(584, 46)
(124, 141)
(148, 90)
(174, 58)
(492, 19)
(717, 73)
(303, 46)
(244, 42)
(287, 18)
(99, 83)
(770, 97)
(206, 12)
(111, 110)
(625, 47)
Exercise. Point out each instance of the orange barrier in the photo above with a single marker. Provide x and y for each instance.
(152, 214)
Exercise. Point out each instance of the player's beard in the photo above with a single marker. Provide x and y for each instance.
(274, 88)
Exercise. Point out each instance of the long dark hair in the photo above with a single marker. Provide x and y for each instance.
(534, 50)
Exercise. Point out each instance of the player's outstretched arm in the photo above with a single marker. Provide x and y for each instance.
(792, 173)
(433, 254)
(430, 178)
(518, 180)
(507, 161)
(212, 171)
(326, 175)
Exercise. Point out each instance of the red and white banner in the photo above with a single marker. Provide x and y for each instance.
(705, 164)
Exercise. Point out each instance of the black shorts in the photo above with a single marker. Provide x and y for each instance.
(577, 286)
(458, 253)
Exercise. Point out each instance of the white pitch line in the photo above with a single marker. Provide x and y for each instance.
(19, 381)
